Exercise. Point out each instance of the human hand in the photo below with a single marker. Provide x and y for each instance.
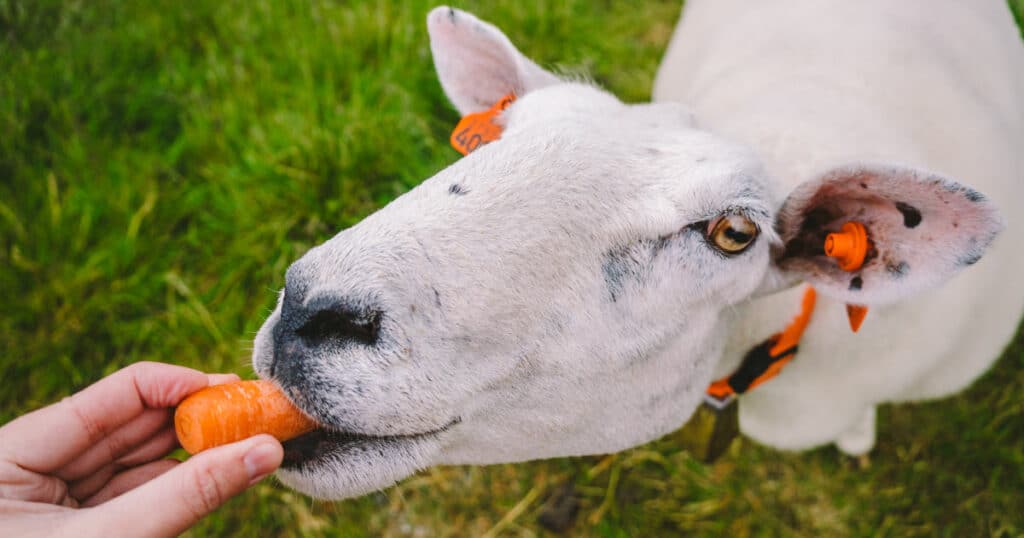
(92, 464)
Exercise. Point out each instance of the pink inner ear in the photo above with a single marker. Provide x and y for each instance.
(922, 228)
(476, 63)
(476, 67)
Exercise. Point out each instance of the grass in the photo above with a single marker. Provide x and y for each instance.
(162, 162)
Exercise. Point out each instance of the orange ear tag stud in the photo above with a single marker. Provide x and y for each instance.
(478, 128)
(849, 247)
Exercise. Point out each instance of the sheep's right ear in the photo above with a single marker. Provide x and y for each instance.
(476, 63)
(922, 229)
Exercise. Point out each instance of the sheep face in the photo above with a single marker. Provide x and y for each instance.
(555, 292)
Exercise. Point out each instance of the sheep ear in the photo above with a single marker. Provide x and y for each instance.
(922, 230)
(476, 63)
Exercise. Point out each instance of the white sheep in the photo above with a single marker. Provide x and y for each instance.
(813, 85)
(571, 288)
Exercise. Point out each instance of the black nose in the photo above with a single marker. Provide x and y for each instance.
(321, 322)
(340, 322)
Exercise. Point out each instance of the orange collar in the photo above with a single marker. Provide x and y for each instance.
(765, 360)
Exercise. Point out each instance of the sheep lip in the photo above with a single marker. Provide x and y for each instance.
(322, 443)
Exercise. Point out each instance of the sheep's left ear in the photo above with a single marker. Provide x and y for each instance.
(922, 229)
(476, 63)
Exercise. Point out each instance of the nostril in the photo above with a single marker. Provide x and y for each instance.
(340, 324)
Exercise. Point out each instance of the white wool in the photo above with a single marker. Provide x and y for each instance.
(812, 85)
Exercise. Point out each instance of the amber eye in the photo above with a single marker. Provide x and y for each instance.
(732, 234)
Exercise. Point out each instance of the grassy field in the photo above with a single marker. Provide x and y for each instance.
(162, 162)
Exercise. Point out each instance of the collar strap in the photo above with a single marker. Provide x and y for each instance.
(765, 360)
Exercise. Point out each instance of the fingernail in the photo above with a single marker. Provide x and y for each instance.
(261, 460)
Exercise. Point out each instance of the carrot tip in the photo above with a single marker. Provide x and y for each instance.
(226, 413)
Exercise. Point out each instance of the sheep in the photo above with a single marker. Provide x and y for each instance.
(573, 286)
(812, 85)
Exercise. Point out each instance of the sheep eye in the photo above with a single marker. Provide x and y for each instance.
(732, 234)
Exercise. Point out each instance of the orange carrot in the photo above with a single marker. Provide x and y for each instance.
(231, 412)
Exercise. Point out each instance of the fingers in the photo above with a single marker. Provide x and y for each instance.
(120, 442)
(156, 447)
(220, 379)
(177, 499)
(18, 484)
(123, 446)
(88, 486)
(47, 439)
(128, 480)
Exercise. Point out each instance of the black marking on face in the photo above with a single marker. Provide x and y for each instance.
(897, 270)
(437, 297)
(973, 195)
(911, 215)
(456, 189)
(291, 366)
(630, 262)
(451, 15)
(618, 266)
(856, 283)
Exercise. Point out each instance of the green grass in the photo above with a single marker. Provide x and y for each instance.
(162, 162)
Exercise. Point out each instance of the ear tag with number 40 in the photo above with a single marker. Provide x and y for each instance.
(478, 128)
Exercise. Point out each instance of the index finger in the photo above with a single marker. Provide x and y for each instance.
(47, 439)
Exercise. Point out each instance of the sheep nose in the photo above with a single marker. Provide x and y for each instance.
(321, 322)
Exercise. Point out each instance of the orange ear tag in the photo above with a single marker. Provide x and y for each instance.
(856, 314)
(478, 128)
(849, 247)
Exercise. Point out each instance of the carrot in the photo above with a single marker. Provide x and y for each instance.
(231, 412)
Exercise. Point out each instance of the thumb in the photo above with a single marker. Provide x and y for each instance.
(178, 499)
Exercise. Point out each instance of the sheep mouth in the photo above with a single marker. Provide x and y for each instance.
(321, 444)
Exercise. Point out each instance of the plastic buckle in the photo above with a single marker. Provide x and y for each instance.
(712, 428)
